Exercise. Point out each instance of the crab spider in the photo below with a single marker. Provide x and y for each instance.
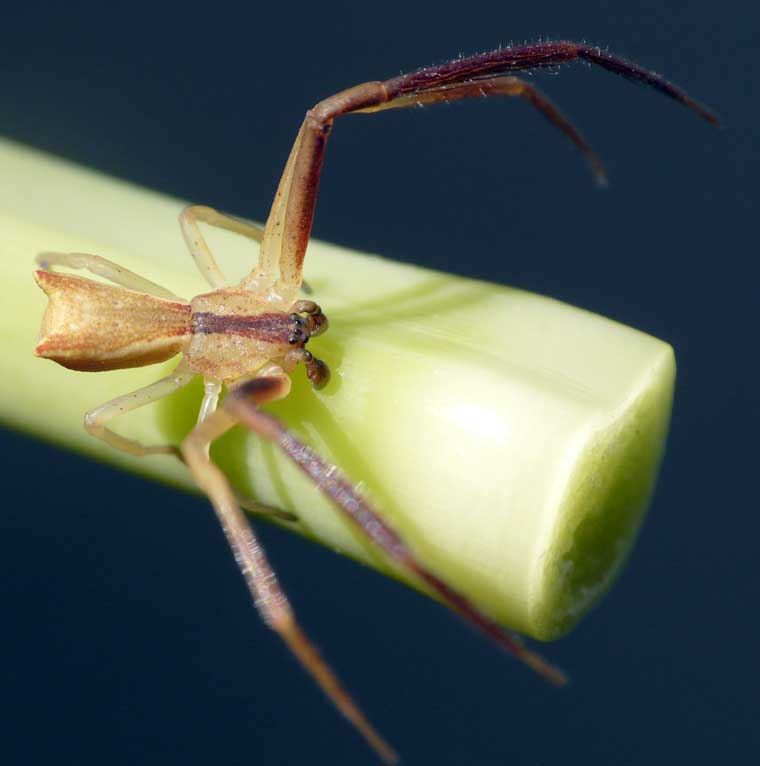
(251, 336)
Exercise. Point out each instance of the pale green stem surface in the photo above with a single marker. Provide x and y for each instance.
(513, 440)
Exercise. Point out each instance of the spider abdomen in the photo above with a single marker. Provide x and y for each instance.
(91, 326)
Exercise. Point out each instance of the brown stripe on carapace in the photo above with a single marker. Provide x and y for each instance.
(275, 327)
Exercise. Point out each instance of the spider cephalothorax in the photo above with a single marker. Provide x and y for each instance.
(234, 335)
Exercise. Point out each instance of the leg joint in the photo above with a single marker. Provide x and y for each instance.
(92, 422)
(350, 100)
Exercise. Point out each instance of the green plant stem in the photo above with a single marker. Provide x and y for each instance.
(513, 440)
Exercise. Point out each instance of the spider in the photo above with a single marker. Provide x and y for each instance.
(251, 337)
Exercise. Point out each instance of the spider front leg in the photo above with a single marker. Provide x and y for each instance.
(289, 224)
(268, 596)
(242, 404)
(500, 86)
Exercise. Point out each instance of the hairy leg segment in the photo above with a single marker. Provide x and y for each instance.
(289, 226)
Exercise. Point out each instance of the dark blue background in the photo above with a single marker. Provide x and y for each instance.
(120, 648)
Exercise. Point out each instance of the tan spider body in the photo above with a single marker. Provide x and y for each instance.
(224, 335)
(252, 336)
